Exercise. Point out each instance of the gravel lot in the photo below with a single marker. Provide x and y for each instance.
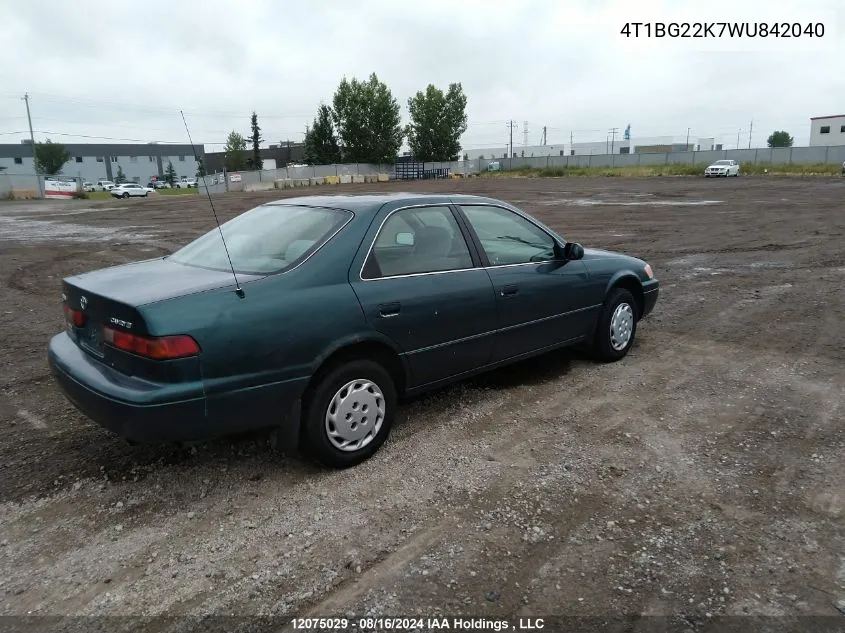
(703, 475)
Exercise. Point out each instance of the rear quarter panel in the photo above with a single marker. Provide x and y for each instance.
(282, 328)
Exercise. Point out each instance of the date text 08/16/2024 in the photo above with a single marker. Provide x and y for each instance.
(416, 624)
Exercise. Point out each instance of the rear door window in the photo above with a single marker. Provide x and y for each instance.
(418, 240)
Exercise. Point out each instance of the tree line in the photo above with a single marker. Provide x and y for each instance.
(363, 125)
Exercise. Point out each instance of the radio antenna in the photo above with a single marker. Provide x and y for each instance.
(238, 290)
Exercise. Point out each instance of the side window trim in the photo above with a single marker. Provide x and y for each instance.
(469, 239)
(485, 261)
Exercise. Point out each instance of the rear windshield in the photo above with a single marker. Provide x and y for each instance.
(267, 239)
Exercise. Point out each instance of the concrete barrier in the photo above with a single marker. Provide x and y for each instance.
(23, 194)
(301, 182)
(259, 186)
(332, 180)
(315, 181)
(345, 180)
(282, 183)
(358, 178)
(383, 178)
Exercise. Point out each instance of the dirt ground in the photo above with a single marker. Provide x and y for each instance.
(702, 475)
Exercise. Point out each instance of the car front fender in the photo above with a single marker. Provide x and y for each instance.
(626, 278)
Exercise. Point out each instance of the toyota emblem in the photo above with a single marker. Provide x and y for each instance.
(83, 302)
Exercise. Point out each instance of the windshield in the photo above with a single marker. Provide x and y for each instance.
(267, 239)
(722, 162)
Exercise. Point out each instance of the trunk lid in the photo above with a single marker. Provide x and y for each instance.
(152, 280)
(115, 296)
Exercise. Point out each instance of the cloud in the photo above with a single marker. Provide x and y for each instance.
(125, 70)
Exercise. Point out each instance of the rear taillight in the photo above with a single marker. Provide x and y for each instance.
(158, 348)
(74, 317)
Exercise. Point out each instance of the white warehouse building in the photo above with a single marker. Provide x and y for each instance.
(96, 161)
(827, 130)
(608, 146)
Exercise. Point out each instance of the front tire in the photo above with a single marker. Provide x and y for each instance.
(125, 195)
(617, 326)
(349, 413)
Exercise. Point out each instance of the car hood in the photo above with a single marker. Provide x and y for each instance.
(152, 280)
(598, 253)
(718, 166)
(594, 254)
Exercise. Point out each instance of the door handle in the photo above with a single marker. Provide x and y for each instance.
(388, 309)
(508, 291)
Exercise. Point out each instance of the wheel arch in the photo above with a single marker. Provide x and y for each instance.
(377, 348)
(630, 282)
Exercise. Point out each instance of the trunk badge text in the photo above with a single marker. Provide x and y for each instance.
(121, 323)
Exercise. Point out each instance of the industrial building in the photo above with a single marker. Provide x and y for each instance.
(94, 161)
(827, 130)
(608, 146)
(277, 156)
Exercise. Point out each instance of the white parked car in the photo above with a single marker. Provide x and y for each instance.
(87, 186)
(130, 189)
(185, 183)
(723, 168)
(104, 185)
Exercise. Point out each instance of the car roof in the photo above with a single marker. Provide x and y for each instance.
(374, 202)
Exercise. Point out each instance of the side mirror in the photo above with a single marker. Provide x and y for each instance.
(573, 250)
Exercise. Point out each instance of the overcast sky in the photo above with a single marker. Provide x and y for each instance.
(124, 69)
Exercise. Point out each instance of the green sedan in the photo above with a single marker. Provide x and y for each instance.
(313, 315)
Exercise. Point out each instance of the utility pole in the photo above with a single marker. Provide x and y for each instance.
(510, 150)
(525, 133)
(750, 128)
(686, 146)
(737, 137)
(571, 142)
(544, 136)
(613, 132)
(32, 139)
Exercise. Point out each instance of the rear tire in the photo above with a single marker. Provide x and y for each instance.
(617, 326)
(125, 195)
(349, 413)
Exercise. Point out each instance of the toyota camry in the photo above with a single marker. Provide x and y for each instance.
(313, 315)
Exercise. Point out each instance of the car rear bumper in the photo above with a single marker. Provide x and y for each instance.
(651, 289)
(145, 412)
(129, 407)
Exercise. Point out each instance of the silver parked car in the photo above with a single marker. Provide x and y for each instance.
(722, 168)
(130, 189)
